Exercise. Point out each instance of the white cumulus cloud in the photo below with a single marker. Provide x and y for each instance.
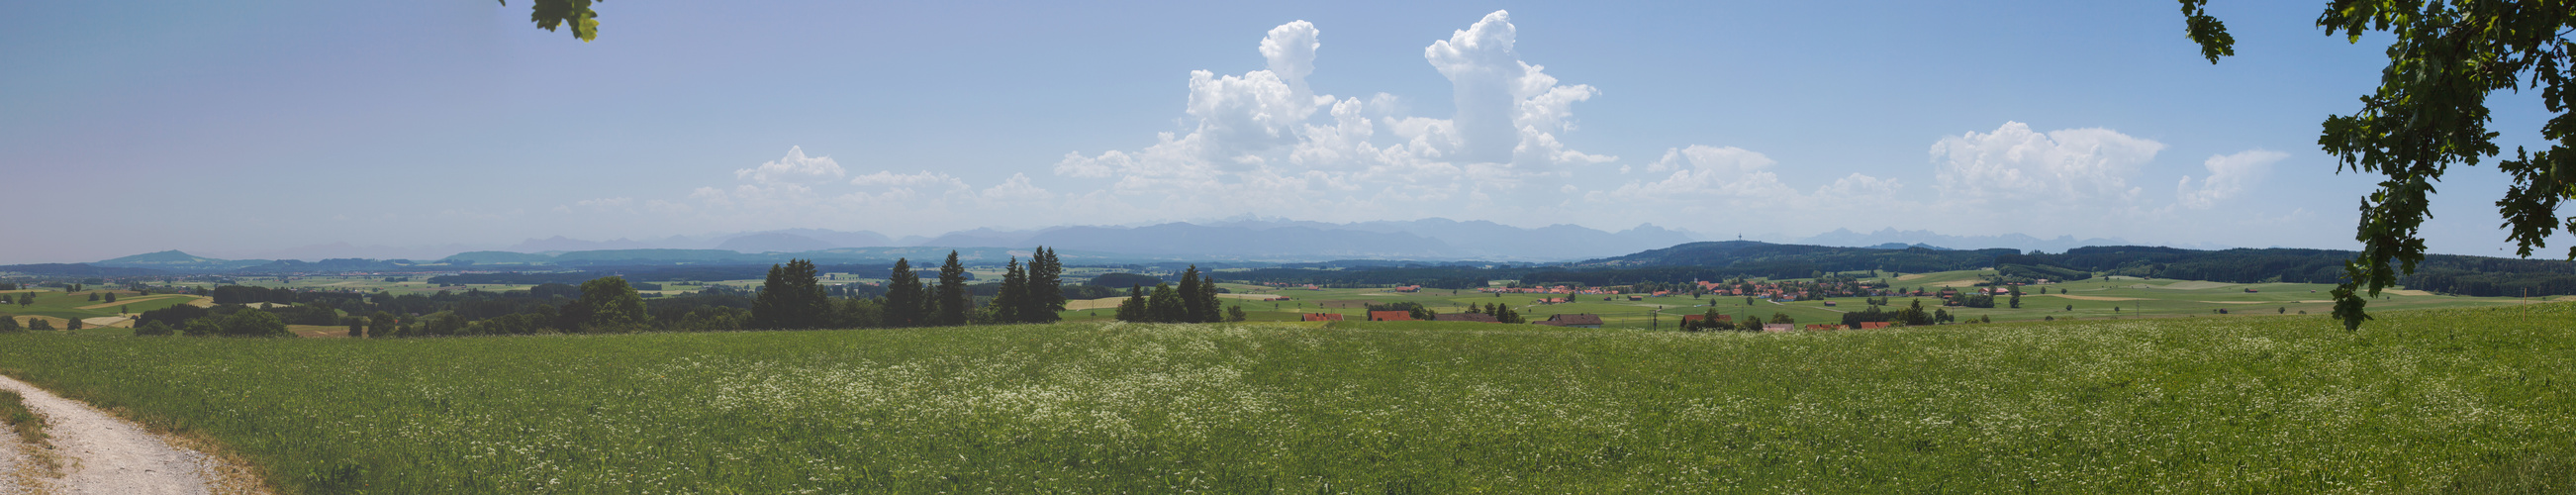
(2014, 166)
(1264, 142)
(918, 180)
(1508, 110)
(794, 167)
(2229, 176)
(1710, 179)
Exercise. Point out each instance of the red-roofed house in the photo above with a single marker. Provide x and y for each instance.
(1390, 316)
(1873, 324)
(1320, 317)
(1821, 326)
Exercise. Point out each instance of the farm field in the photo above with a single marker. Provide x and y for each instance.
(2121, 297)
(2099, 298)
(2462, 399)
(59, 305)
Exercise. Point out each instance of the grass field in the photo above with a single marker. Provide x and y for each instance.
(2107, 298)
(78, 305)
(2099, 298)
(2469, 400)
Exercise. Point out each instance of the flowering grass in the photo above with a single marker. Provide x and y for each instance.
(2441, 400)
(28, 427)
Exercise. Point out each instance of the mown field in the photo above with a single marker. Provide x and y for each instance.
(77, 305)
(2100, 298)
(2470, 400)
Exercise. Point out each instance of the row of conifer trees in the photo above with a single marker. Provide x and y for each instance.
(1195, 301)
(793, 299)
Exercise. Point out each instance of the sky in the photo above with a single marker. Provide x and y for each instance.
(239, 127)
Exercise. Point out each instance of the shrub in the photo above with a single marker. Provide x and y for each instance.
(254, 323)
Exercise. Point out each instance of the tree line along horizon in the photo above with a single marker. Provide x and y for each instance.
(791, 297)
(576, 302)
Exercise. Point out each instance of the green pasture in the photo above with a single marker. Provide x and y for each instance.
(61, 305)
(2465, 400)
(2133, 298)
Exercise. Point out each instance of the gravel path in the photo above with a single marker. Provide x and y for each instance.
(106, 455)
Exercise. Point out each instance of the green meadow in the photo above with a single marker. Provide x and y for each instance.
(77, 305)
(2100, 298)
(2464, 399)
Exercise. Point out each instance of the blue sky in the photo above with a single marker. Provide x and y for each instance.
(235, 128)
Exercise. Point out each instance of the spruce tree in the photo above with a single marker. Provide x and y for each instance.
(1192, 309)
(1209, 305)
(1134, 308)
(953, 300)
(1045, 287)
(903, 301)
(1166, 306)
(791, 299)
(1011, 301)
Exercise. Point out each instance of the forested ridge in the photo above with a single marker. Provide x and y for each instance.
(2449, 274)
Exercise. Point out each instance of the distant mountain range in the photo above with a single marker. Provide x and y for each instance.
(1426, 239)
(1902, 238)
(920, 256)
(1242, 239)
(1237, 240)
(176, 261)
